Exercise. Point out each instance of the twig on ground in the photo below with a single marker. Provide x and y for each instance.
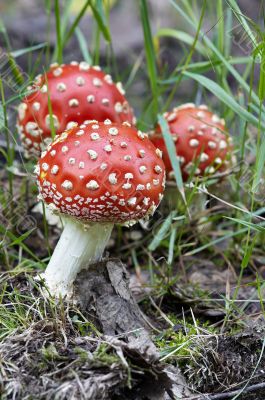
(227, 395)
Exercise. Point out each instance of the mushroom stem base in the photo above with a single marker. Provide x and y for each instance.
(79, 246)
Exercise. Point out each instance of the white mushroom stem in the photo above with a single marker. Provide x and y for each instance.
(79, 246)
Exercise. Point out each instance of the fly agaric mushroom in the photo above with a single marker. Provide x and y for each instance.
(201, 141)
(77, 92)
(96, 175)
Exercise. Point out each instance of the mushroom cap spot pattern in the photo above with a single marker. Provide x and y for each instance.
(200, 138)
(74, 98)
(107, 188)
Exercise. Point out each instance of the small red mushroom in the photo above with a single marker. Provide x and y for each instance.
(202, 142)
(96, 175)
(77, 92)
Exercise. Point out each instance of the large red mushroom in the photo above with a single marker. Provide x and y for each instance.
(77, 92)
(96, 175)
(202, 142)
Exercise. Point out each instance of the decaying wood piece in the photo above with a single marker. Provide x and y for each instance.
(103, 293)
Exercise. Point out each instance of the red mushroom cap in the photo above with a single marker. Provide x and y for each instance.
(201, 139)
(102, 172)
(77, 92)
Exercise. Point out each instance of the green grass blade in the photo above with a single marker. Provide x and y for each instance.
(172, 154)
(22, 52)
(200, 68)
(15, 70)
(162, 232)
(222, 95)
(13, 237)
(261, 89)
(59, 45)
(83, 45)
(220, 26)
(72, 28)
(250, 225)
(182, 37)
(171, 246)
(52, 127)
(190, 54)
(19, 240)
(149, 53)
(98, 12)
(65, 17)
(5, 35)
(242, 20)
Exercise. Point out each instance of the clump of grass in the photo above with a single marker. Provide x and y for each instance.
(104, 355)
(22, 305)
(181, 342)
